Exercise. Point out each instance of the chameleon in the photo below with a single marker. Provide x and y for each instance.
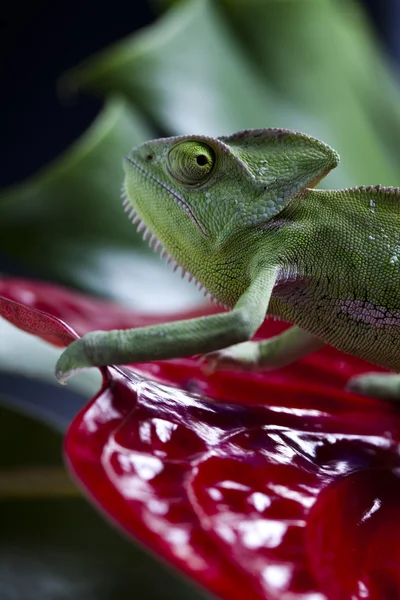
(242, 216)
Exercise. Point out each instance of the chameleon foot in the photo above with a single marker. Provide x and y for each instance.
(377, 385)
(240, 357)
(75, 358)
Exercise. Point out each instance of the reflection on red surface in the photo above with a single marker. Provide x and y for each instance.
(278, 485)
(224, 491)
(356, 552)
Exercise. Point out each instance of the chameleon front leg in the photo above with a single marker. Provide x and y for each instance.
(172, 340)
(377, 385)
(276, 352)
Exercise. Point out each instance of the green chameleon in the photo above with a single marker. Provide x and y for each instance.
(240, 214)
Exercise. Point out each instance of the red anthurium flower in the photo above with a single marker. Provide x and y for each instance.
(265, 486)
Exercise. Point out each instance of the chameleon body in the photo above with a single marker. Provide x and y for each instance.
(240, 214)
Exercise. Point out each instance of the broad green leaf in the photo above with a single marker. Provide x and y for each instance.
(321, 55)
(63, 219)
(285, 63)
(188, 74)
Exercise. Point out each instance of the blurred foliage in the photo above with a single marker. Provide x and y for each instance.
(203, 67)
(323, 57)
(68, 216)
(187, 73)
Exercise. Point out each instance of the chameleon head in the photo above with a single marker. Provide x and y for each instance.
(207, 199)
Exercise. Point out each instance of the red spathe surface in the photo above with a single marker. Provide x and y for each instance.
(289, 488)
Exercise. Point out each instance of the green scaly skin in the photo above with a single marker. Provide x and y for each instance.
(241, 215)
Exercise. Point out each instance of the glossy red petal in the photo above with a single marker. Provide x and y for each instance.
(37, 322)
(83, 313)
(353, 532)
(224, 491)
(282, 486)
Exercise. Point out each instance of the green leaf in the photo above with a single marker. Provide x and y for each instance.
(64, 219)
(188, 74)
(310, 65)
(322, 56)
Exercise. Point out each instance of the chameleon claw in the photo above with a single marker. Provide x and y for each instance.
(385, 386)
(62, 376)
(73, 360)
(207, 366)
(240, 357)
(210, 363)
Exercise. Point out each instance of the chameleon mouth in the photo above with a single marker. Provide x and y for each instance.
(178, 198)
(157, 246)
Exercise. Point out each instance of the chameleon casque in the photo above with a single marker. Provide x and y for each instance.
(240, 214)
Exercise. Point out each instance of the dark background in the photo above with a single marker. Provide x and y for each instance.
(38, 42)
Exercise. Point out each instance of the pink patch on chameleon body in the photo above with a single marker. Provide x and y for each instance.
(367, 312)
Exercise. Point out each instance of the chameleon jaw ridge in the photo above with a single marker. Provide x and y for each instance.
(154, 241)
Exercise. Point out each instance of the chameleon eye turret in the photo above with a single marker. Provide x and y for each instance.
(191, 163)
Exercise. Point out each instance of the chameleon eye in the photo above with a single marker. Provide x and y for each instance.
(191, 162)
